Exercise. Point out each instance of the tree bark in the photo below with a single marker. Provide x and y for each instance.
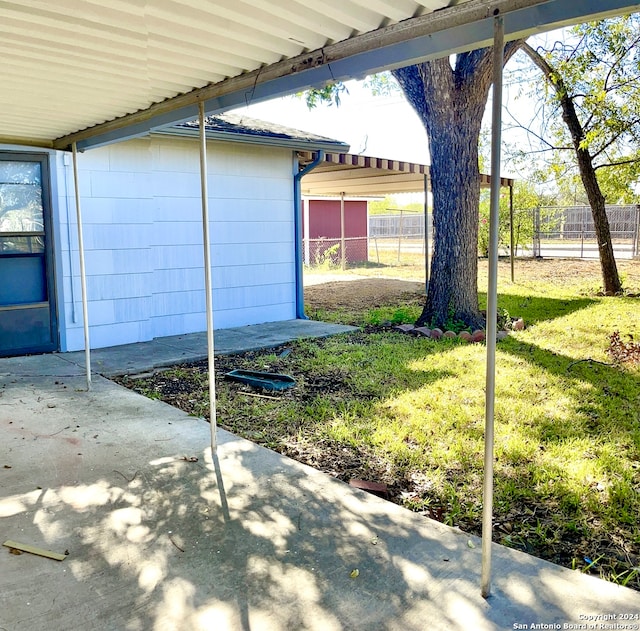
(609, 269)
(451, 103)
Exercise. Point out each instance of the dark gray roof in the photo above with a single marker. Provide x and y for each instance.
(240, 128)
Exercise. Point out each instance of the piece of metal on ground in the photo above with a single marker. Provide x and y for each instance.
(258, 379)
(25, 547)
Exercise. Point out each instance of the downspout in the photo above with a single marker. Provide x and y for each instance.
(297, 227)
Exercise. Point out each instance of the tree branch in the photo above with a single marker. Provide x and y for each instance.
(544, 141)
(615, 138)
(541, 62)
(615, 164)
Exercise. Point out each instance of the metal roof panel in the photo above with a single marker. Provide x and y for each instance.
(116, 68)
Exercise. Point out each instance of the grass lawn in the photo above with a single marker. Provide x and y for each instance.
(409, 412)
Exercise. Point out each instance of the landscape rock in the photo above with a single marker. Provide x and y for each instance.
(478, 336)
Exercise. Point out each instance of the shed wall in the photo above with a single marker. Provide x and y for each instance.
(324, 229)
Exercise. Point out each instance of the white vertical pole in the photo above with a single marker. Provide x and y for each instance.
(426, 233)
(511, 234)
(492, 305)
(83, 273)
(207, 277)
(342, 239)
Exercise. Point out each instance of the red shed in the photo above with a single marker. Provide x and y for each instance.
(322, 223)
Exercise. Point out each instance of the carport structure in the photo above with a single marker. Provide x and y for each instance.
(81, 75)
(360, 175)
(348, 174)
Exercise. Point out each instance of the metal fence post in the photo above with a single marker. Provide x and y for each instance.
(400, 236)
(343, 254)
(636, 238)
(582, 235)
(536, 232)
(426, 234)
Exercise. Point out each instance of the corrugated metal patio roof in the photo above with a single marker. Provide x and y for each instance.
(68, 65)
(116, 69)
(357, 175)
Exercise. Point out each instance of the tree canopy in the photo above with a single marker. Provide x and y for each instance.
(592, 90)
(597, 65)
(591, 80)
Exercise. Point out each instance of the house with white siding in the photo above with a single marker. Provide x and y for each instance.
(142, 227)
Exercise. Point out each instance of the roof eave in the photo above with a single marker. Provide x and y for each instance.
(297, 144)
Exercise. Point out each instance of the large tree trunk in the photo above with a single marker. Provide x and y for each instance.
(451, 103)
(610, 277)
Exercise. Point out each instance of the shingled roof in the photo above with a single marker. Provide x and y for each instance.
(240, 128)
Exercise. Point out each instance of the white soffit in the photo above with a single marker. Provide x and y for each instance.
(112, 69)
(358, 175)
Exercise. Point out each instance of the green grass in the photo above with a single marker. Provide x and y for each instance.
(567, 427)
(410, 412)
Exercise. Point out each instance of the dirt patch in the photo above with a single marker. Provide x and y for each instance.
(364, 293)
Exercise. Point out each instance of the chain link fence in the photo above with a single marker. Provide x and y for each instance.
(570, 232)
(401, 232)
(553, 232)
(326, 252)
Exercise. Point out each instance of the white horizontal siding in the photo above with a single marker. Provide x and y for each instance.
(143, 239)
(183, 322)
(231, 254)
(252, 275)
(227, 318)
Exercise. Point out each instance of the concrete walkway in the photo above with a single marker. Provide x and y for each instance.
(162, 536)
(167, 351)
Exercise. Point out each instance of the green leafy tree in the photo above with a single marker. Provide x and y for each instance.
(381, 206)
(594, 89)
(450, 96)
(525, 200)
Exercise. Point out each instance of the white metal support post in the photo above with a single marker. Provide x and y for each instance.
(511, 234)
(207, 277)
(492, 305)
(426, 233)
(83, 272)
(343, 253)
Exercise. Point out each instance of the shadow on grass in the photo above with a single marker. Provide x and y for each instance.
(612, 400)
(536, 309)
(599, 419)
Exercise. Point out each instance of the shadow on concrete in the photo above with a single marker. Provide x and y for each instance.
(247, 540)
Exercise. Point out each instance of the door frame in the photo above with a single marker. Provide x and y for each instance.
(43, 158)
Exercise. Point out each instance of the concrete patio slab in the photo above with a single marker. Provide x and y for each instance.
(168, 351)
(162, 536)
